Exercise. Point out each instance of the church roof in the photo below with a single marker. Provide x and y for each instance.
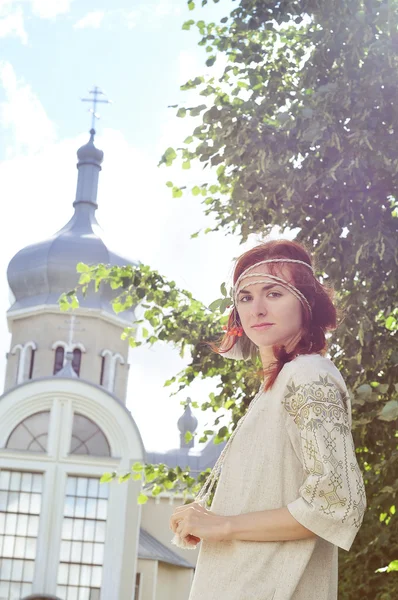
(197, 460)
(151, 549)
(41, 272)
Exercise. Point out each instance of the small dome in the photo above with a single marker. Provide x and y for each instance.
(89, 153)
(187, 422)
(40, 273)
(67, 370)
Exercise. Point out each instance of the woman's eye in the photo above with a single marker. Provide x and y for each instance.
(247, 298)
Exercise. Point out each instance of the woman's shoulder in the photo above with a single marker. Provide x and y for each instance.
(307, 367)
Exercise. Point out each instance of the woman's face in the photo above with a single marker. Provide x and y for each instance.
(271, 303)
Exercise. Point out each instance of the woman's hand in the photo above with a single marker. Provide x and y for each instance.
(194, 523)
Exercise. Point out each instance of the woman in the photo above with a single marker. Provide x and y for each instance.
(290, 491)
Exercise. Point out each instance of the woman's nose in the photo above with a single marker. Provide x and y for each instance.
(258, 308)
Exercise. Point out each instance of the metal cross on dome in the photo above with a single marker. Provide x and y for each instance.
(96, 92)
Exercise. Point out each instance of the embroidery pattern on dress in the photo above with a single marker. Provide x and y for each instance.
(320, 411)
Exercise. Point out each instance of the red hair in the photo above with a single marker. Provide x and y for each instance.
(320, 297)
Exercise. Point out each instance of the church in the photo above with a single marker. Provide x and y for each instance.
(64, 422)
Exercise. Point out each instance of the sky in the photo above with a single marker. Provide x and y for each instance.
(52, 52)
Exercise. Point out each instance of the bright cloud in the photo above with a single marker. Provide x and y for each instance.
(91, 20)
(164, 8)
(12, 14)
(12, 22)
(23, 114)
(150, 14)
(49, 9)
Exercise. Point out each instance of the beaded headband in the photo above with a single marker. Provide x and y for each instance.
(264, 276)
(271, 260)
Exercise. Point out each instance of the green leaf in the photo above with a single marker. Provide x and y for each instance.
(142, 499)
(392, 566)
(383, 388)
(389, 411)
(107, 477)
(156, 490)
(391, 323)
(169, 156)
(223, 289)
(84, 278)
(191, 5)
(195, 112)
(226, 303)
(82, 268)
(188, 436)
(186, 164)
(177, 192)
(169, 184)
(188, 24)
(181, 112)
(215, 305)
(364, 389)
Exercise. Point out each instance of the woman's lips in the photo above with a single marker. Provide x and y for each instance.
(262, 326)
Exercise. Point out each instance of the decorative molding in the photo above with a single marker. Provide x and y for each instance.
(22, 368)
(55, 310)
(111, 360)
(89, 400)
(67, 347)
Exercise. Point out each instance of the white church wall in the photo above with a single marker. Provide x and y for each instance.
(155, 519)
(173, 583)
(63, 397)
(149, 575)
(131, 531)
(95, 331)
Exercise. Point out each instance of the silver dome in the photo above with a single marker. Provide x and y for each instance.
(40, 273)
(187, 422)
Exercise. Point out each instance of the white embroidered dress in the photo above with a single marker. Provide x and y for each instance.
(294, 449)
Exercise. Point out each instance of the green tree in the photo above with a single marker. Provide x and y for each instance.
(301, 128)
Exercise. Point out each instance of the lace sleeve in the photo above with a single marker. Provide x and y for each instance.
(332, 498)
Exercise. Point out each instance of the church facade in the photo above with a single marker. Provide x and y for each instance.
(64, 422)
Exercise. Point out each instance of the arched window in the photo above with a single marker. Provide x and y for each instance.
(59, 359)
(31, 434)
(108, 369)
(32, 362)
(76, 360)
(25, 360)
(83, 539)
(21, 494)
(88, 438)
(103, 359)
